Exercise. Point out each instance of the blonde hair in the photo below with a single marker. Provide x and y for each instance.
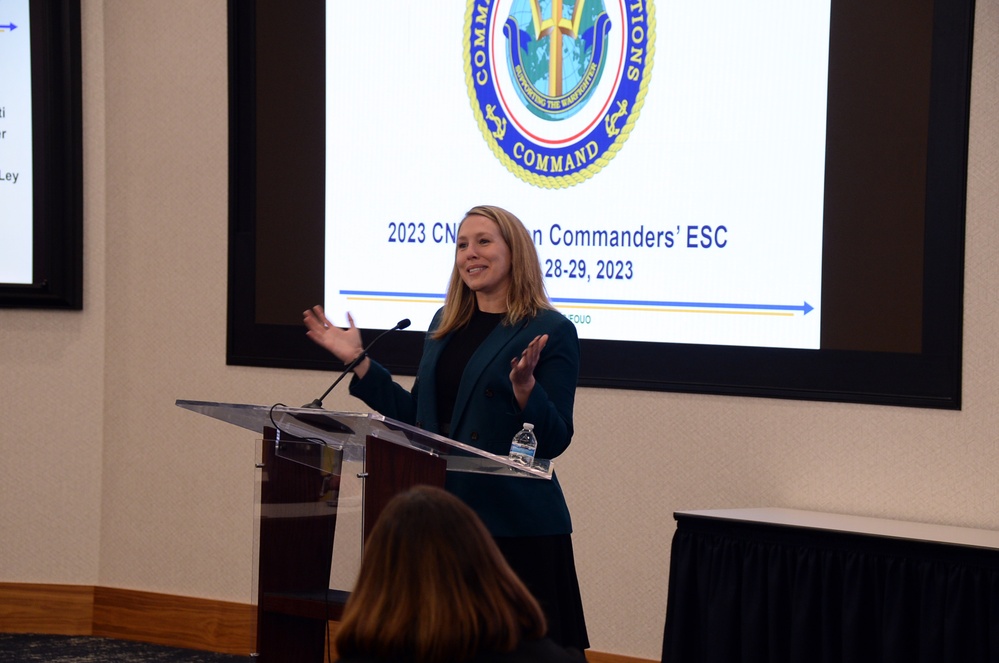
(434, 588)
(526, 294)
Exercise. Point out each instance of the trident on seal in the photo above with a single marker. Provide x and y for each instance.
(554, 28)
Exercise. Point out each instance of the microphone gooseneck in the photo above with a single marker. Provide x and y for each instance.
(318, 403)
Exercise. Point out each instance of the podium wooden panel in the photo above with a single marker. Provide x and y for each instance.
(297, 527)
(392, 469)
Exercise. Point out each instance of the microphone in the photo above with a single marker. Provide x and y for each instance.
(318, 403)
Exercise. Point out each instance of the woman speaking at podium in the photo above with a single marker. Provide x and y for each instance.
(497, 355)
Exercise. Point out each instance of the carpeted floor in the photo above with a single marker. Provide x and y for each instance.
(22, 648)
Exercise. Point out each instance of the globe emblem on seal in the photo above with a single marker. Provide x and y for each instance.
(557, 86)
(553, 69)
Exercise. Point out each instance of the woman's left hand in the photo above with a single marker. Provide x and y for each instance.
(522, 369)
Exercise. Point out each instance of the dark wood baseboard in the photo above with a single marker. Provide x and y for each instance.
(162, 619)
(49, 609)
(601, 657)
(175, 621)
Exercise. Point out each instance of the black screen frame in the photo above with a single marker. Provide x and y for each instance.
(57, 147)
(265, 303)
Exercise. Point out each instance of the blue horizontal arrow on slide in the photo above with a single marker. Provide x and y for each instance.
(376, 293)
(804, 307)
(9, 26)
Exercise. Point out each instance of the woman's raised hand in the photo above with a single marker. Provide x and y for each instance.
(522, 369)
(344, 344)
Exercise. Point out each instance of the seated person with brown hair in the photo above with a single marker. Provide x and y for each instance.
(434, 588)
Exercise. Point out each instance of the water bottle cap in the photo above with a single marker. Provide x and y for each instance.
(529, 426)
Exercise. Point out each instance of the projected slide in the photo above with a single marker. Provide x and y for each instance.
(16, 220)
(667, 157)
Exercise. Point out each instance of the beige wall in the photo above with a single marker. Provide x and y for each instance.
(104, 481)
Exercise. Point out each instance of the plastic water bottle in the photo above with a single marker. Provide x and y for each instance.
(524, 445)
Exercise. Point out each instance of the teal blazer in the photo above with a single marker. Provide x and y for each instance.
(486, 415)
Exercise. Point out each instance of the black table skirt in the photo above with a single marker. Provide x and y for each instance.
(760, 592)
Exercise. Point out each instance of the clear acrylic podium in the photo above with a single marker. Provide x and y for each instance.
(303, 457)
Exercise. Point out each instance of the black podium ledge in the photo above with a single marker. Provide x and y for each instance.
(312, 605)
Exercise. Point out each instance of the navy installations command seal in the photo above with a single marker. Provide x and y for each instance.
(556, 86)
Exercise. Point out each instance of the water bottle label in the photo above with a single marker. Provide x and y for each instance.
(524, 445)
(522, 454)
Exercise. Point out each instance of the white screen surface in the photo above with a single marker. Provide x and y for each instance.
(723, 169)
(16, 217)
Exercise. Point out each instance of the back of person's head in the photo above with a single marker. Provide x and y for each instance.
(434, 588)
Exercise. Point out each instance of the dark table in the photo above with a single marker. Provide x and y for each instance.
(750, 585)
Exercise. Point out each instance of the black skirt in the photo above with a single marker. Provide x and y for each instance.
(546, 565)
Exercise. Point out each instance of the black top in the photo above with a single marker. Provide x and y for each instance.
(455, 356)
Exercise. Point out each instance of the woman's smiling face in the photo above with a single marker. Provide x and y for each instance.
(483, 261)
